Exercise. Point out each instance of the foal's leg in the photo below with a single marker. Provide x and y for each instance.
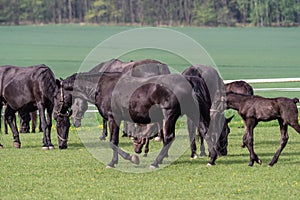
(283, 141)
(192, 131)
(248, 141)
(10, 116)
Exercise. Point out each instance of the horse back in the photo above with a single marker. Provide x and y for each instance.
(266, 109)
(25, 85)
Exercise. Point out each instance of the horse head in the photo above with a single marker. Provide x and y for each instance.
(62, 112)
(222, 142)
(138, 143)
(79, 107)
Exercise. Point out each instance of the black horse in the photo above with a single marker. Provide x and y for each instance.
(219, 128)
(254, 109)
(143, 101)
(141, 68)
(240, 87)
(26, 89)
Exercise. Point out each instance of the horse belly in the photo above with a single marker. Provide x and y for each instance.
(267, 113)
(17, 94)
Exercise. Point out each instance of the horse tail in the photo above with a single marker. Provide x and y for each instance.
(202, 95)
(296, 100)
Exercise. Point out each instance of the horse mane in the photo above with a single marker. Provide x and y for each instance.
(85, 81)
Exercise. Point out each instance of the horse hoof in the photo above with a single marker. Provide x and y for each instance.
(259, 162)
(135, 159)
(153, 167)
(51, 147)
(102, 138)
(203, 155)
(1, 146)
(209, 165)
(45, 148)
(157, 139)
(109, 167)
(194, 157)
(17, 145)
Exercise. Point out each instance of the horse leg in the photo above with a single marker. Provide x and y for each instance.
(5, 125)
(49, 125)
(283, 141)
(243, 145)
(45, 128)
(202, 147)
(10, 116)
(40, 124)
(125, 129)
(192, 131)
(114, 142)
(169, 136)
(33, 116)
(24, 122)
(104, 133)
(248, 141)
(146, 147)
(211, 148)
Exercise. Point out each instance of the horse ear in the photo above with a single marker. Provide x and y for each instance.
(229, 119)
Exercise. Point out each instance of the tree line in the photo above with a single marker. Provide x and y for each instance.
(153, 12)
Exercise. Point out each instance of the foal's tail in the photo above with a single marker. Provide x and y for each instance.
(296, 100)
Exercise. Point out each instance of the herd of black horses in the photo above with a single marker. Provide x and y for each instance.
(149, 99)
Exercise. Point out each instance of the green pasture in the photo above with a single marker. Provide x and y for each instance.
(30, 173)
(239, 53)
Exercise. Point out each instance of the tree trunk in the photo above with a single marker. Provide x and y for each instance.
(131, 11)
(16, 8)
(70, 10)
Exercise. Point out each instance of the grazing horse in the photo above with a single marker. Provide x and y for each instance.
(145, 100)
(219, 125)
(240, 87)
(26, 89)
(254, 109)
(141, 68)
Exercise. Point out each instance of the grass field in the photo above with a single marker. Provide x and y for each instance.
(239, 53)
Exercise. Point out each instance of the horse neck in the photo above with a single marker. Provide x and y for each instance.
(234, 101)
(85, 86)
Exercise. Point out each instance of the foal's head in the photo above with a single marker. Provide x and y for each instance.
(62, 112)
